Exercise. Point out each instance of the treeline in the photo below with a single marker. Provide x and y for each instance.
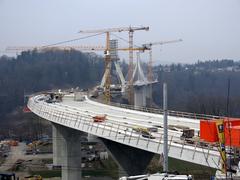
(201, 91)
(212, 66)
(34, 71)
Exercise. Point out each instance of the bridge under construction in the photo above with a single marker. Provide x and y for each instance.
(122, 131)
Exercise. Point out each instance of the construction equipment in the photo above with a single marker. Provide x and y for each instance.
(107, 76)
(146, 46)
(149, 46)
(13, 143)
(107, 59)
(187, 133)
(99, 118)
(222, 150)
(140, 129)
(150, 73)
(106, 80)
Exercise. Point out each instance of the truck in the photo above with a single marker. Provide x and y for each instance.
(145, 132)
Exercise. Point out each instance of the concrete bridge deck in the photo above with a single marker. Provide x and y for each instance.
(119, 127)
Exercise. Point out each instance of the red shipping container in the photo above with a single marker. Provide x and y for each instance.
(208, 130)
(235, 136)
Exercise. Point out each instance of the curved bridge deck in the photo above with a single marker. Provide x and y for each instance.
(120, 127)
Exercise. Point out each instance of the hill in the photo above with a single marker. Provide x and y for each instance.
(201, 87)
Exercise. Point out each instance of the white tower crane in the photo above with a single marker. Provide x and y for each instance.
(149, 46)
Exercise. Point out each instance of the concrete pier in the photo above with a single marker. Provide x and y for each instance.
(131, 161)
(57, 143)
(140, 96)
(142, 87)
(69, 145)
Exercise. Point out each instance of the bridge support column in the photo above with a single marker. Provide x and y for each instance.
(57, 145)
(140, 96)
(70, 152)
(131, 161)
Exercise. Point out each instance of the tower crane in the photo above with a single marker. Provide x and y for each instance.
(149, 47)
(85, 48)
(150, 73)
(108, 59)
(107, 51)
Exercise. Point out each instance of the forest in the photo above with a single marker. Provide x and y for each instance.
(34, 71)
(204, 92)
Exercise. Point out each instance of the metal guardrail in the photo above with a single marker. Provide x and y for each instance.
(150, 110)
(160, 111)
(125, 134)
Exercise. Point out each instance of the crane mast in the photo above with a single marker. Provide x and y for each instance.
(130, 69)
(108, 64)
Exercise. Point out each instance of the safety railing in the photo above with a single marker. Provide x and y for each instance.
(160, 111)
(125, 134)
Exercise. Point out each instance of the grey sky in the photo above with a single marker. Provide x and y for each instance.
(210, 28)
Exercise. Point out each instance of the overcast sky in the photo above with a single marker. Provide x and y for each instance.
(210, 29)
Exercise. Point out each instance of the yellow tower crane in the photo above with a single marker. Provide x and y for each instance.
(108, 59)
(106, 76)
